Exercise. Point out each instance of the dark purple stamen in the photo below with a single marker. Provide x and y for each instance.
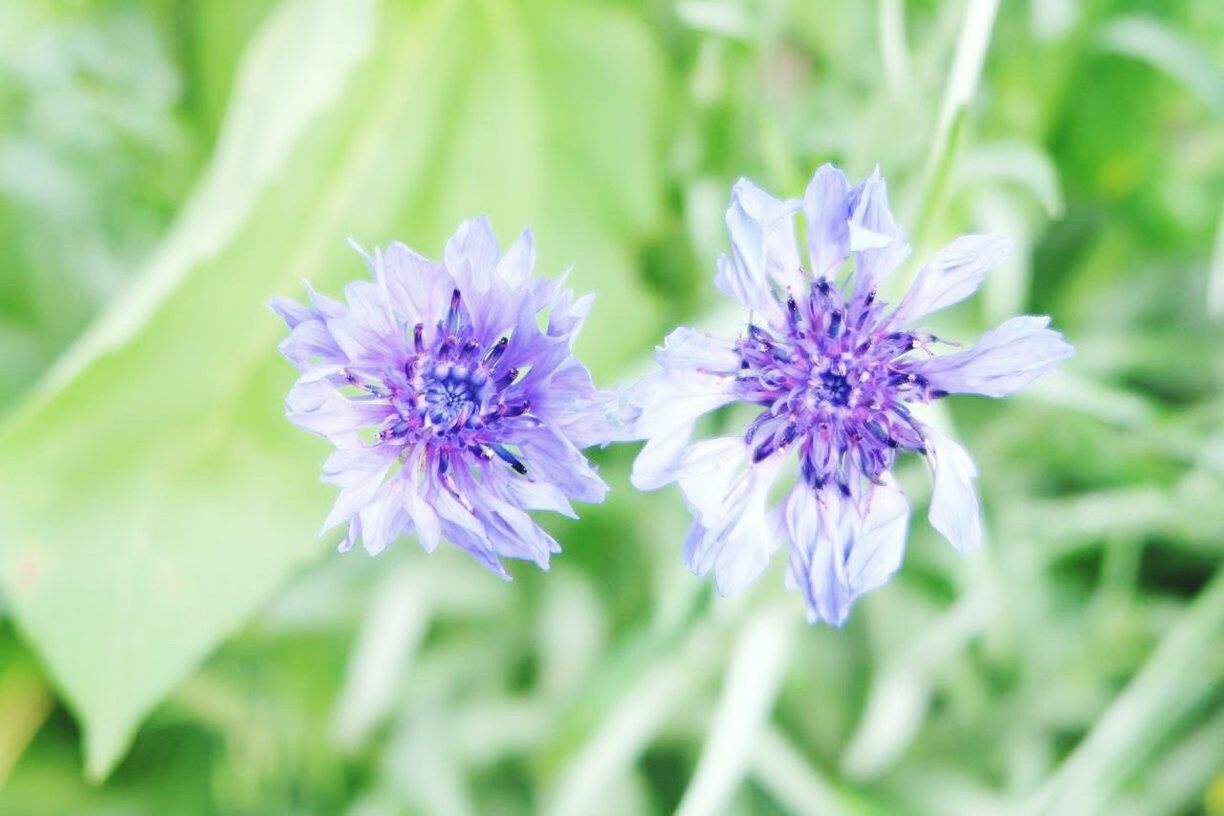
(495, 353)
(518, 409)
(510, 459)
(452, 316)
(507, 378)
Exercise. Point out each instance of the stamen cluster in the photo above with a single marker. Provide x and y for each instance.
(834, 381)
(452, 394)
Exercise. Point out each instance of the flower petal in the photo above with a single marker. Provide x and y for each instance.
(508, 529)
(816, 566)
(953, 274)
(584, 414)
(352, 536)
(419, 289)
(691, 350)
(464, 530)
(877, 537)
(763, 249)
(416, 502)
(359, 473)
(537, 496)
(670, 404)
(841, 551)
(876, 239)
(551, 457)
(383, 518)
(736, 539)
(567, 314)
(826, 208)
(514, 268)
(326, 307)
(706, 471)
(291, 311)
(320, 408)
(1002, 362)
(368, 332)
(955, 512)
(471, 255)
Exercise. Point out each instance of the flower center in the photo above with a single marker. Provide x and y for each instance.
(834, 388)
(835, 381)
(454, 393)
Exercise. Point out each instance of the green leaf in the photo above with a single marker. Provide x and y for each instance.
(25, 702)
(755, 670)
(1184, 671)
(153, 494)
(1148, 39)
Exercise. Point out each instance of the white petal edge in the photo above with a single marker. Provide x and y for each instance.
(955, 511)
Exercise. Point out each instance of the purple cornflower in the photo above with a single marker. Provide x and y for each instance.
(832, 373)
(453, 412)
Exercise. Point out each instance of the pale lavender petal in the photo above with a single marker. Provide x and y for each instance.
(533, 352)
(472, 254)
(706, 471)
(826, 208)
(877, 532)
(352, 536)
(536, 496)
(310, 345)
(322, 409)
(584, 414)
(816, 566)
(737, 539)
(954, 503)
(515, 534)
(734, 281)
(515, 267)
(359, 473)
(554, 459)
(952, 275)
(291, 311)
(509, 530)
(876, 239)
(417, 504)
(1004, 361)
(670, 403)
(326, 307)
(462, 528)
(420, 289)
(763, 249)
(368, 332)
(692, 350)
(383, 518)
(566, 315)
(841, 551)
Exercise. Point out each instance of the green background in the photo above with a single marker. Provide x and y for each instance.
(175, 638)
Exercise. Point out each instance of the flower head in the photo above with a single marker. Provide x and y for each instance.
(452, 410)
(832, 373)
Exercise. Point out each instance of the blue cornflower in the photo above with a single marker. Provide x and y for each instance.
(832, 372)
(453, 408)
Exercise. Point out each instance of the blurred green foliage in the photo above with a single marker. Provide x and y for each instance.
(166, 166)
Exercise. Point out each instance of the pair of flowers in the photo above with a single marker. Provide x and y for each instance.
(456, 405)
